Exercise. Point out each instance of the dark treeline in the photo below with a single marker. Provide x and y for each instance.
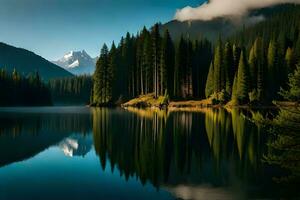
(151, 63)
(17, 90)
(75, 89)
(249, 67)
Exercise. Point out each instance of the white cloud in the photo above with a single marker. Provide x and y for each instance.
(221, 8)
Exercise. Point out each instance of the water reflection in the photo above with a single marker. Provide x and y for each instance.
(185, 146)
(209, 154)
(23, 135)
(76, 145)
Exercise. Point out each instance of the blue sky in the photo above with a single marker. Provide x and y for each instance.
(51, 28)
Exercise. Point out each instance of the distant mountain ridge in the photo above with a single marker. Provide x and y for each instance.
(27, 62)
(225, 26)
(77, 62)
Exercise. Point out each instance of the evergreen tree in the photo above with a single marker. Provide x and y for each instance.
(156, 42)
(234, 95)
(180, 65)
(290, 60)
(209, 88)
(167, 64)
(102, 79)
(112, 66)
(273, 76)
(293, 92)
(236, 56)
(229, 67)
(242, 80)
(219, 75)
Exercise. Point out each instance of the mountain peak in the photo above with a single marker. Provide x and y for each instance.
(77, 62)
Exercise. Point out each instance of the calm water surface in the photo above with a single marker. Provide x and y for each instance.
(85, 153)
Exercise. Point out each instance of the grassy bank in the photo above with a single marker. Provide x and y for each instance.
(162, 102)
(149, 100)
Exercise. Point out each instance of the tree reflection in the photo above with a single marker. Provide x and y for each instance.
(211, 146)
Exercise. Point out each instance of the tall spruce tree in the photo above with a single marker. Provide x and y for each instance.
(209, 88)
(112, 72)
(102, 79)
(228, 67)
(180, 67)
(156, 44)
(167, 64)
(290, 60)
(219, 76)
(242, 80)
(273, 76)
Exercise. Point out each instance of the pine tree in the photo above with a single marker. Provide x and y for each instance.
(242, 80)
(297, 47)
(234, 96)
(156, 42)
(180, 68)
(112, 67)
(147, 62)
(293, 92)
(236, 56)
(101, 78)
(273, 76)
(253, 65)
(219, 76)
(290, 60)
(228, 67)
(209, 87)
(167, 64)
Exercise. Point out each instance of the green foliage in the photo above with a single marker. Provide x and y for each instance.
(165, 99)
(253, 96)
(293, 93)
(220, 97)
(284, 149)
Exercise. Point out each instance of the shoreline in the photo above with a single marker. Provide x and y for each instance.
(148, 101)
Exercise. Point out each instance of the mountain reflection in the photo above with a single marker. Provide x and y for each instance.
(23, 135)
(76, 145)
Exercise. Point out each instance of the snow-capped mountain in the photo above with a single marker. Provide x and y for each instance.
(77, 62)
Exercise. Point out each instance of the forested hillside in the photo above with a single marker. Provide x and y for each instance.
(253, 65)
(27, 62)
(249, 67)
(211, 29)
